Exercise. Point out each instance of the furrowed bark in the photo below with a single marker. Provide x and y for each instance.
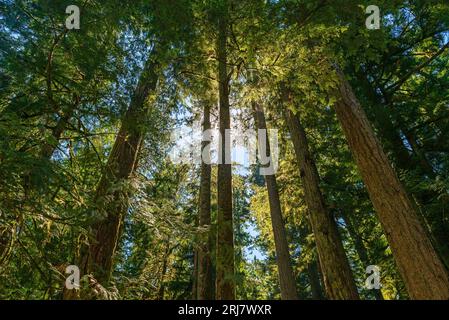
(423, 272)
(415, 160)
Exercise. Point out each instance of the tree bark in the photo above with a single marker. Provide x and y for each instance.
(225, 279)
(204, 282)
(422, 271)
(338, 279)
(314, 271)
(286, 276)
(112, 201)
(408, 161)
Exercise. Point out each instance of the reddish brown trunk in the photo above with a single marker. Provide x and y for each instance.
(422, 271)
(112, 202)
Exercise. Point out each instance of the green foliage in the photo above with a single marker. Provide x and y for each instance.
(63, 94)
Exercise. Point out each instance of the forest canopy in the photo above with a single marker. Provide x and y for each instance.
(224, 149)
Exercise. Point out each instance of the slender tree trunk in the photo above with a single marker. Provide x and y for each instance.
(360, 248)
(225, 282)
(314, 280)
(422, 271)
(112, 202)
(49, 148)
(195, 275)
(161, 292)
(338, 279)
(314, 271)
(320, 274)
(286, 276)
(205, 285)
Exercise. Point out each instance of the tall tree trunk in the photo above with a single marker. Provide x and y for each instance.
(422, 271)
(314, 280)
(314, 271)
(112, 202)
(225, 281)
(415, 161)
(161, 291)
(204, 282)
(320, 274)
(360, 248)
(195, 275)
(286, 276)
(338, 279)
